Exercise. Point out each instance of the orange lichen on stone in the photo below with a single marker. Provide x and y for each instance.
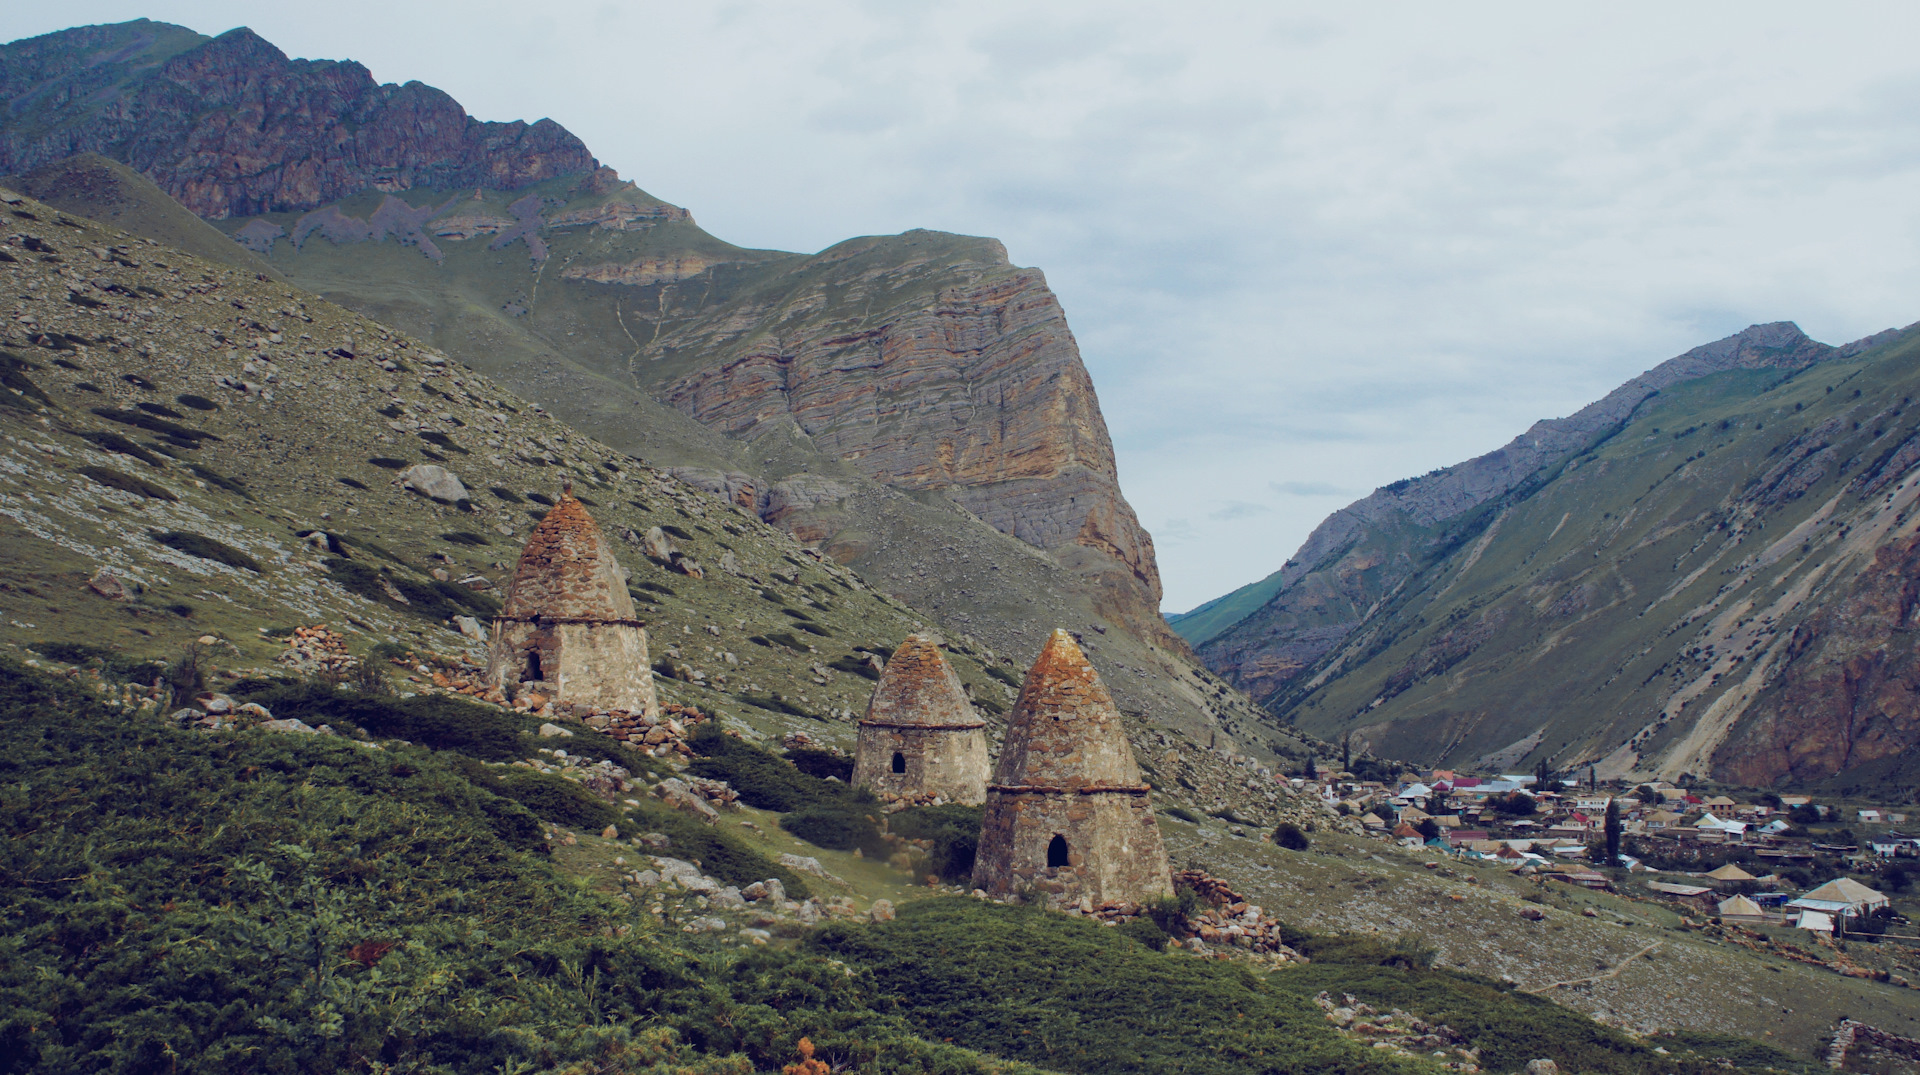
(568, 570)
(1066, 814)
(921, 737)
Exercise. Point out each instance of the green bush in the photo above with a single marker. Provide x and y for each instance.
(1289, 836)
(114, 442)
(1147, 932)
(1073, 996)
(954, 830)
(432, 720)
(821, 764)
(127, 483)
(836, 827)
(205, 548)
(762, 779)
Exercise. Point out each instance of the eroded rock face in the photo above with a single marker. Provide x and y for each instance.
(1067, 815)
(975, 390)
(232, 127)
(921, 737)
(1849, 692)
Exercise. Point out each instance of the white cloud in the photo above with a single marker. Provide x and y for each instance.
(1304, 247)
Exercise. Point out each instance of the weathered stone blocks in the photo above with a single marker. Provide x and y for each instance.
(921, 737)
(568, 629)
(1067, 816)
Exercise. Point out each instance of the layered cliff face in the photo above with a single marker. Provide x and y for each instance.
(929, 363)
(1365, 551)
(1719, 583)
(231, 127)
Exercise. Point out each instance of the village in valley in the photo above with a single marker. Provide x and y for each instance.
(1775, 860)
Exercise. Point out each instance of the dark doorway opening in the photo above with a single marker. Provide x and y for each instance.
(533, 667)
(1056, 851)
(899, 762)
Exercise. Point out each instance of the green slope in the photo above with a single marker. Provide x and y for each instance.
(1203, 622)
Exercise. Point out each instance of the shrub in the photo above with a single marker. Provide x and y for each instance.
(762, 779)
(352, 483)
(220, 481)
(152, 424)
(1066, 993)
(854, 665)
(432, 720)
(127, 483)
(821, 764)
(198, 403)
(114, 442)
(1147, 932)
(836, 827)
(388, 463)
(1289, 836)
(507, 495)
(954, 830)
(160, 409)
(462, 537)
(205, 548)
(1182, 813)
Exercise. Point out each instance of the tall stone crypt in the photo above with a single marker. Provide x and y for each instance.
(568, 629)
(921, 738)
(1067, 815)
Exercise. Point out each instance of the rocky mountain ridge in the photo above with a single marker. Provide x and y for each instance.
(1364, 551)
(1715, 586)
(231, 126)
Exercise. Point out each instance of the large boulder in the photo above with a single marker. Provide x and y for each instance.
(433, 482)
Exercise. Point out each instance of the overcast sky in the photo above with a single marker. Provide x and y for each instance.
(1307, 249)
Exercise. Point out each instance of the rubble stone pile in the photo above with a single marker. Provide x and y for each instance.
(318, 651)
(1398, 1030)
(1232, 921)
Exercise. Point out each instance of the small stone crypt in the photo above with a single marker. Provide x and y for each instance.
(568, 629)
(921, 738)
(1067, 816)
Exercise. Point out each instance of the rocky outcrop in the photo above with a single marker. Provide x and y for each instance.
(972, 389)
(231, 127)
(1849, 692)
(1362, 552)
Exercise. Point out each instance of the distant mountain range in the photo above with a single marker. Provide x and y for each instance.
(1700, 573)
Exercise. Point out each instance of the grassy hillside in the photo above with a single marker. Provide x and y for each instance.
(1207, 620)
(251, 899)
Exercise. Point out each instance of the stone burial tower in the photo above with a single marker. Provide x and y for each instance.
(921, 737)
(568, 630)
(1067, 816)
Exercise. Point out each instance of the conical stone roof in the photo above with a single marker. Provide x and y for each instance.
(1065, 731)
(920, 687)
(567, 570)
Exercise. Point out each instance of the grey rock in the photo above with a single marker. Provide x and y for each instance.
(291, 724)
(549, 731)
(1542, 1067)
(470, 627)
(882, 911)
(433, 482)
